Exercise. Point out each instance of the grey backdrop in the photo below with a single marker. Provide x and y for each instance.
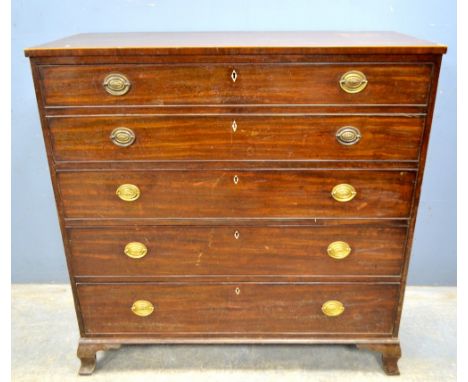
(37, 250)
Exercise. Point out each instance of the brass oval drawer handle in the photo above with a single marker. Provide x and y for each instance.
(348, 135)
(142, 308)
(343, 192)
(338, 250)
(135, 250)
(122, 136)
(116, 84)
(353, 81)
(333, 308)
(128, 192)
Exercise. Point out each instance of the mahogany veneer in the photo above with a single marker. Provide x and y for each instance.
(257, 194)
(215, 251)
(257, 137)
(237, 187)
(224, 309)
(79, 85)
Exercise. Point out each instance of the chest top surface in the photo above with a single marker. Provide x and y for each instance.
(306, 42)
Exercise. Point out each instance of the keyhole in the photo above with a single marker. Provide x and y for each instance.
(237, 291)
(235, 179)
(234, 75)
(236, 235)
(234, 126)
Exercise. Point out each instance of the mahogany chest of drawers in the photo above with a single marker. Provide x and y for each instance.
(237, 187)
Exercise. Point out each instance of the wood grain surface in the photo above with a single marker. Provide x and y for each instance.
(214, 194)
(254, 137)
(269, 84)
(255, 308)
(238, 250)
(218, 43)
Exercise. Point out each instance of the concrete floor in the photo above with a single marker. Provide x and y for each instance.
(45, 334)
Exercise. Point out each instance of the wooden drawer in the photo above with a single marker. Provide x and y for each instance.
(269, 84)
(236, 193)
(242, 308)
(224, 251)
(235, 137)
